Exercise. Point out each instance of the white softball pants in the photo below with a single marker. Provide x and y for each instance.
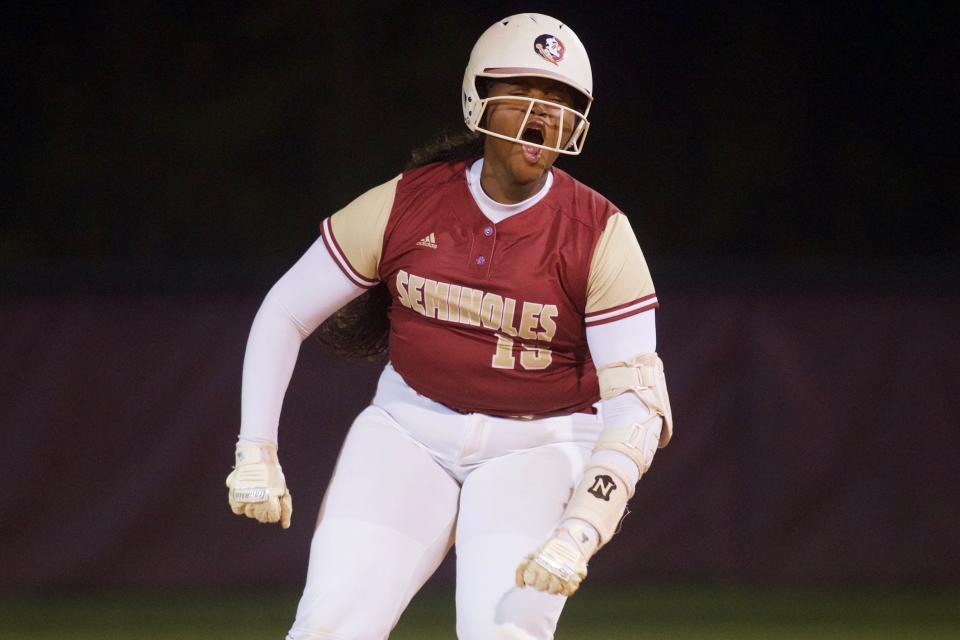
(413, 479)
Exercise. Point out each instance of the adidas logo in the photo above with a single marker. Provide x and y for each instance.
(430, 241)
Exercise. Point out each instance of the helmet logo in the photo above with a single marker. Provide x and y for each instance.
(549, 48)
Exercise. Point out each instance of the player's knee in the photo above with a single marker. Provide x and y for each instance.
(513, 619)
(508, 631)
(527, 614)
(300, 634)
(511, 631)
(350, 631)
(338, 617)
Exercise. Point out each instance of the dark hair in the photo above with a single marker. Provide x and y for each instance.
(361, 328)
(447, 148)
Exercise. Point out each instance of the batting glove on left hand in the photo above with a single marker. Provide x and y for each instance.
(560, 564)
(257, 488)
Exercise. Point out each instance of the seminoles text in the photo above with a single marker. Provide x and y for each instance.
(534, 325)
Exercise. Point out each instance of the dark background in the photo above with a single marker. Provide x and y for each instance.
(217, 136)
(790, 170)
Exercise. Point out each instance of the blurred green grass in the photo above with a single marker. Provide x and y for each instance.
(678, 613)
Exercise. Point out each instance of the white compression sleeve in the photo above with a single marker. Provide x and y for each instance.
(619, 341)
(303, 298)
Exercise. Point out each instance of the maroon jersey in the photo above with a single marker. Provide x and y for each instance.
(491, 317)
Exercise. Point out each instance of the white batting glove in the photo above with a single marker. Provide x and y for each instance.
(257, 488)
(560, 564)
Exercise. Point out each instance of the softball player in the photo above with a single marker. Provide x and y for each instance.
(523, 398)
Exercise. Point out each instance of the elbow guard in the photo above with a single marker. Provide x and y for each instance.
(643, 376)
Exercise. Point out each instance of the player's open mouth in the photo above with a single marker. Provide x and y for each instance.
(534, 134)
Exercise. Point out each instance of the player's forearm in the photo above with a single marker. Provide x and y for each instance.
(297, 304)
(624, 409)
(271, 355)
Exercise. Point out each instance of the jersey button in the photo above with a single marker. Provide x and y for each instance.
(488, 231)
(481, 260)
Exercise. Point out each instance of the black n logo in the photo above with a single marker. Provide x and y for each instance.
(602, 487)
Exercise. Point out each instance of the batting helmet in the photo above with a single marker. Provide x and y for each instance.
(530, 44)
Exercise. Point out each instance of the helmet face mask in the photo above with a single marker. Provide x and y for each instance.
(562, 129)
(538, 46)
